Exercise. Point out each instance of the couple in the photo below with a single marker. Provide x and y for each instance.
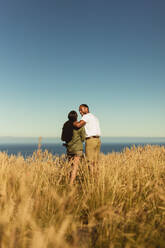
(74, 133)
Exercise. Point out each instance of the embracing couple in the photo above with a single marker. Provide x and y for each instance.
(74, 133)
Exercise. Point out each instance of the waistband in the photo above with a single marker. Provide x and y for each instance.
(96, 136)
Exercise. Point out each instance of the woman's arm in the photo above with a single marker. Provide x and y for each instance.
(83, 135)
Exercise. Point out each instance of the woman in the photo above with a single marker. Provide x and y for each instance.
(74, 138)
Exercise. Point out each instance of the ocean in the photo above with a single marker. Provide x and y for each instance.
(57, 149)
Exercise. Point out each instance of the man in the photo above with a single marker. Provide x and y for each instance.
(92, 129)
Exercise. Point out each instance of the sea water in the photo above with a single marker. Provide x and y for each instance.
(59, 149)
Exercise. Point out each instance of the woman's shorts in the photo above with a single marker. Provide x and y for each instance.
(75, 154)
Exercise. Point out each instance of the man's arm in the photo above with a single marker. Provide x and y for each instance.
(79, 124)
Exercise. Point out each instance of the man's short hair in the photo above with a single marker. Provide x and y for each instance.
(85, 105)
(72, 116)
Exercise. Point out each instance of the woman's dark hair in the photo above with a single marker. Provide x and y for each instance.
(72, 116)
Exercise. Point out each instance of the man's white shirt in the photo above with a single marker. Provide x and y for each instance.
(92, 126)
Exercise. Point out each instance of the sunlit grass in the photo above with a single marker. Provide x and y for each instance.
(120, 203)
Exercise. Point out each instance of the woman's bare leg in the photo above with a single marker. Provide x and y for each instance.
(75, 167)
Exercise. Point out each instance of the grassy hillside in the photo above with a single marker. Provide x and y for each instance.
(121, 203)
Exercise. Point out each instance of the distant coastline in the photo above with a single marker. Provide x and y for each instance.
(57, 140)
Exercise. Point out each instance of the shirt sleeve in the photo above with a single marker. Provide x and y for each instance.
(85, 118)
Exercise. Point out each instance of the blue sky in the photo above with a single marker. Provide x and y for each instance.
(57, 54)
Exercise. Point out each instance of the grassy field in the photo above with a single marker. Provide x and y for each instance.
(121, 203)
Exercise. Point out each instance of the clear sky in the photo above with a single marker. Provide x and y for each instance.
(57, 54)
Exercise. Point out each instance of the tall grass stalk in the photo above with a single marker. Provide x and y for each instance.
(120, 203)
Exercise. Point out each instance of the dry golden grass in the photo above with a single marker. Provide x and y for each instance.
(120, 204)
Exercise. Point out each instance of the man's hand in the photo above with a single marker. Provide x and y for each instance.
(79, 124)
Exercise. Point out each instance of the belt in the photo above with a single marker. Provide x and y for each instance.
(92, 137)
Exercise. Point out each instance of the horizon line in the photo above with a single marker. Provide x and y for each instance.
(58, 137)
